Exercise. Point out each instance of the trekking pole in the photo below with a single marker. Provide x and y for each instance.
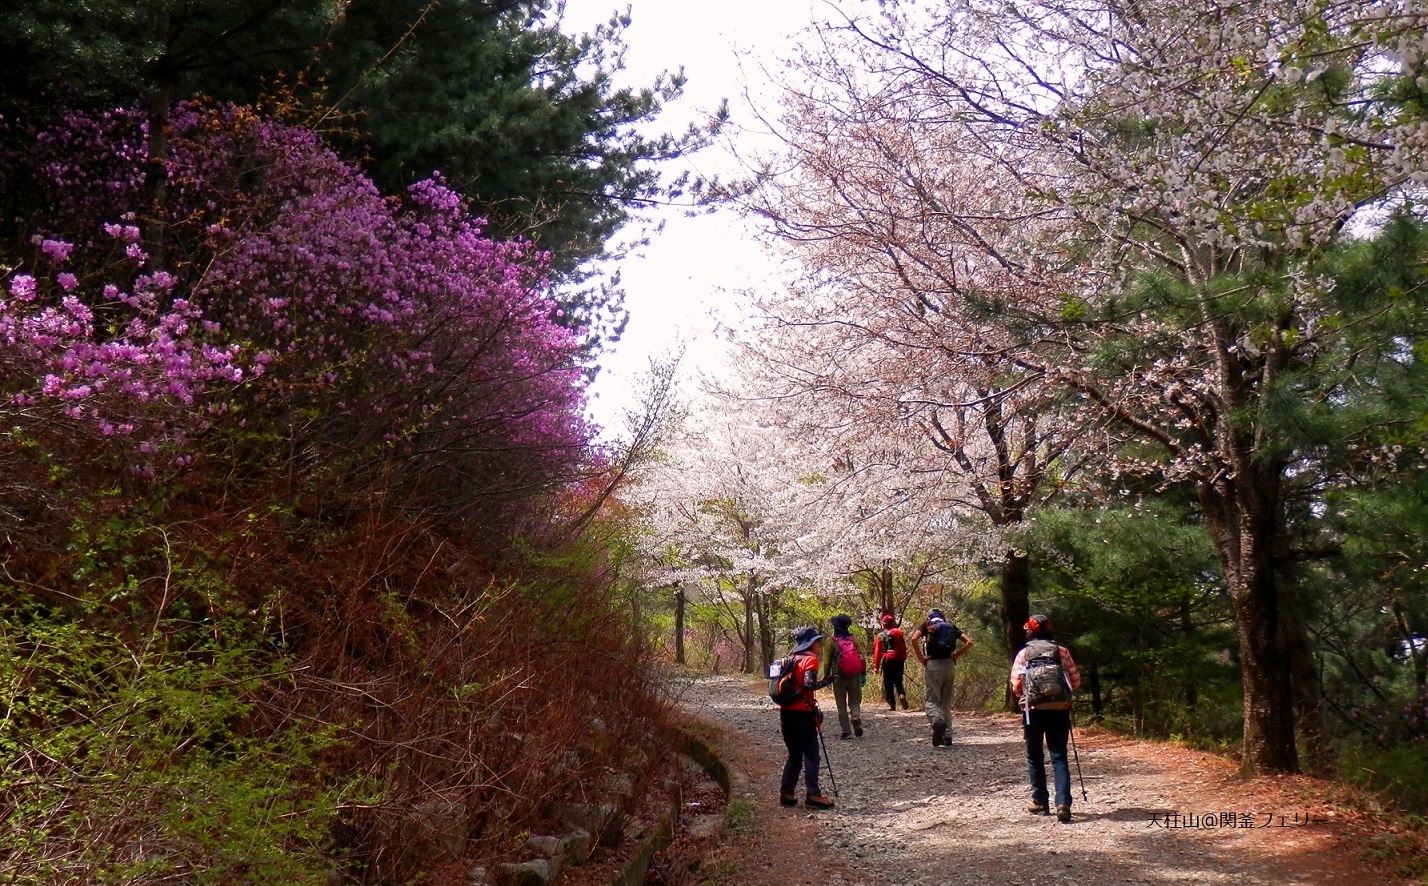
(1075, 755)
(826, 762)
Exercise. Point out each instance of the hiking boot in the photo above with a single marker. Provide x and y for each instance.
(904, 702)
(1063, 813)
(1037, 809)
(846, 735)
(818, 801)
(938, 731)
(787, 799)
(857, 727)
(892, 705)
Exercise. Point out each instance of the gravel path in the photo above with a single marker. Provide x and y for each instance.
(915, 815)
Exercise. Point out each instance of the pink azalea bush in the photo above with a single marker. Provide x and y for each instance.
(290, 287)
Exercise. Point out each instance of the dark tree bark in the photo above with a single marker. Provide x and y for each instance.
(765, 605)
(1016, 609)
(1243, 515)
(1319, 756)
(886, 603)
(749, 588)
(1016, 601)
(679, 601)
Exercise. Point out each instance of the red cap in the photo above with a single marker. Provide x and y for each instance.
(889, 621)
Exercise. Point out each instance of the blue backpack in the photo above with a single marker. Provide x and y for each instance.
(942, 640)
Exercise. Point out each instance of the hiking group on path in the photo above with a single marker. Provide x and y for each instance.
(1157, 814)
(1043, 677)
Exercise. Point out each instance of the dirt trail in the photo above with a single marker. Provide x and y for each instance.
(916, 815)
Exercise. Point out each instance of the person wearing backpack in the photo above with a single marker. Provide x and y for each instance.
(799, 719)
(846, 665)
(939, 644)
(890, 659)
(1043, 676)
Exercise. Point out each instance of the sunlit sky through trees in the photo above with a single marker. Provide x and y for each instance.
(691, 271)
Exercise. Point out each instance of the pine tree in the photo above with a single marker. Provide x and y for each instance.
(522, 118)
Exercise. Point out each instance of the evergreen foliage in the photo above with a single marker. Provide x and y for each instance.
(1137, 592)
(522, 118)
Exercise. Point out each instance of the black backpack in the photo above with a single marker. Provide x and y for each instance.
(1045, 686)
(941, 640)
(783, 682)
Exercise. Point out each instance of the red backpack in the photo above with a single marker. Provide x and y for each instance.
(850, 661)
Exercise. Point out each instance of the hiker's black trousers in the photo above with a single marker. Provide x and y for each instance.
(892, 681)
(1054, 727)
(800, 736)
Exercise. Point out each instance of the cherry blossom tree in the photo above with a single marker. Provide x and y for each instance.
(724, 511)
(894, 327)
(1123, 209)
(748, 503)
(870, 375)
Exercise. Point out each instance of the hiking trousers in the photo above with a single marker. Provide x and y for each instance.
(940, 674)
(892, 681)
(800, 736)
(1054, 727)
(848, 694)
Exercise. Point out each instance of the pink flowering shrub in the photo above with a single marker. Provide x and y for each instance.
(294, 295)
(121, 363)
(77, 169)
(335, 372)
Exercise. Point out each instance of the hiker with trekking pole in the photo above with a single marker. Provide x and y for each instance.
(792, 683)
(1043, 676)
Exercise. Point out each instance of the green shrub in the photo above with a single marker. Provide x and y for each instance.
(1399, 772)
(134, 762)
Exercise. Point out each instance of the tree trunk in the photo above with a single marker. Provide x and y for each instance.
(1016, 601)
(764, 606)
(1264, 665)
(1097, 703)
(679, 624)
(1187, 630)
(749, 627)
(156, 165)
(1016, 609)
(1243, 517)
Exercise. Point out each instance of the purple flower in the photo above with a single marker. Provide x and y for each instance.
(56, 250)
(22, 287)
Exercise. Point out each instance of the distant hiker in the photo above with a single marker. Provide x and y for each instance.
(938, 644)
(800, 720)
(849, 670)
(1043, 676)
(890, 658)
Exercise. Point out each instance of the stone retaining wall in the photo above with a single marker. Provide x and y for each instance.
(593, 825)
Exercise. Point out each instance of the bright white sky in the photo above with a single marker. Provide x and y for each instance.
(692, 270)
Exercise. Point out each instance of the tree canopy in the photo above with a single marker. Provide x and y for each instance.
(525, 120)
(1137, 217)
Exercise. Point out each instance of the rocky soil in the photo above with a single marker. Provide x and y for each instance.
(915, 815)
